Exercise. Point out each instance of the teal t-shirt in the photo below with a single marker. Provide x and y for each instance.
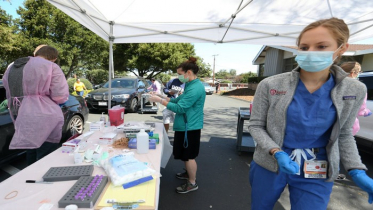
(191, 103)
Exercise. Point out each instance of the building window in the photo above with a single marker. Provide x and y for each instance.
(290, 64)
(261, 70)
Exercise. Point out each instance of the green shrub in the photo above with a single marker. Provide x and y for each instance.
(71, 82)
(255, 79)
(225, 81)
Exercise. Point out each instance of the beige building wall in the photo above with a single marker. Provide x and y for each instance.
(367, 64)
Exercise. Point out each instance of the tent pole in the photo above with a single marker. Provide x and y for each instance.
(111, 63)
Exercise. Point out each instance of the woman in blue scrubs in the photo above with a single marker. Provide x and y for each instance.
(302, 120)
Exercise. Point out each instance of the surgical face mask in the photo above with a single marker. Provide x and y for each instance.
(315, 61)
(183, 79)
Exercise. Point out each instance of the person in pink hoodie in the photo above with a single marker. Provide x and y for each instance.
(35, 86)
(353, 68)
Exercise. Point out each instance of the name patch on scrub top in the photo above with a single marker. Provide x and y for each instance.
(349, 97)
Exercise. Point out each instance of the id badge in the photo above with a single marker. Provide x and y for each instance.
(315, 169)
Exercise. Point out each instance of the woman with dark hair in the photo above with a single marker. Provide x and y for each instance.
(188, 121)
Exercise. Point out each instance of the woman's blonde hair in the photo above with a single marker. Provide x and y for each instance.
(337, 27)
(351, 67)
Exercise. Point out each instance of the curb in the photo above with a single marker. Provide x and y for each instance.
(232, 97)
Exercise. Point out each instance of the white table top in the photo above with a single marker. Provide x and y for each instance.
(34, 195)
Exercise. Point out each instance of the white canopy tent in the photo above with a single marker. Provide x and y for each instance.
(263, 22)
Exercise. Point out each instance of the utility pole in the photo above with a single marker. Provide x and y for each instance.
(213, 71)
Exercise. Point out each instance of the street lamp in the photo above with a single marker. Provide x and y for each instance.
(213, 71)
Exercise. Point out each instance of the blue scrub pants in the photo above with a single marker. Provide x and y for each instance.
(305, 194)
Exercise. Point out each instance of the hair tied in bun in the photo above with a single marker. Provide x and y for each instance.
(192, 60)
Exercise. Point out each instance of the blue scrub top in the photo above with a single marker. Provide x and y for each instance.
(310, 117)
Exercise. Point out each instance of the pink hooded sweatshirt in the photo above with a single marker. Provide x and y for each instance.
(363, 111)
(34, 88)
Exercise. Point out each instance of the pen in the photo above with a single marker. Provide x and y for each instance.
(39, 182)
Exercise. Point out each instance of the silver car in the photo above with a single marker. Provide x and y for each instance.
(209, 90)
(365, 134)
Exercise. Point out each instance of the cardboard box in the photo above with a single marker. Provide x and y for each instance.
(132, 144)
(96, 126)
(108, 138)
(70, 146)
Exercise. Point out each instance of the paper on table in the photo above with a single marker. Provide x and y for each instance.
(144, 191)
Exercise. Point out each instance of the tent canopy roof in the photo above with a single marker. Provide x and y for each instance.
(265, 22)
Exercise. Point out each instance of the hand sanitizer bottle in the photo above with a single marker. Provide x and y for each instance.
(103, 118)
(142, 139)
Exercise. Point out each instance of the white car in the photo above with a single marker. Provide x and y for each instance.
(209, 90)
(365, 134)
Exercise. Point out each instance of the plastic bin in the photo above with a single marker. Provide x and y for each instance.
(116, 115)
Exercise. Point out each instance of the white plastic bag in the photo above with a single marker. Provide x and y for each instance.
(125, 168)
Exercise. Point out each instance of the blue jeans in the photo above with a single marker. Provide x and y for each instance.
(80, 93)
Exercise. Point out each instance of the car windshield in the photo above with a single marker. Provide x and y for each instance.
(125, 83)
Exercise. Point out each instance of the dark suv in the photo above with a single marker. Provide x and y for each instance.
(75, 113)
(365, 134)
(125, 92)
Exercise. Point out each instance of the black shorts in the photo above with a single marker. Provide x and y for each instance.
(191, 152)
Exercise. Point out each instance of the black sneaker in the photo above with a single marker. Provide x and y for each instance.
(183, 175)
(187, 187)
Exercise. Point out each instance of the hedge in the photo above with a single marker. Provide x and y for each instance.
(255, 79)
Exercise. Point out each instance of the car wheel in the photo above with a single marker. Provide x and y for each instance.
(133, 106)
(75, 125)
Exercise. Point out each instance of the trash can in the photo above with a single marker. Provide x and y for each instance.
(245, 141)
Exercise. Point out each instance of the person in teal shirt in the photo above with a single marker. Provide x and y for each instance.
(188, 121)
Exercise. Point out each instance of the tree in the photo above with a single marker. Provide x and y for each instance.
(164, 78)
(97, 76)
(222, 74)
(233, 72)
(10, 42)
(204, 69)
(151, 59)
(79, 48)
(246, 76)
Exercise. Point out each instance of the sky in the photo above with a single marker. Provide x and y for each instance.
(228, 56)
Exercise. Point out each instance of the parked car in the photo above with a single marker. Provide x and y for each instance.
(75, 113)
(125, 92)
(98, 86)
(209, 90)
(365, 134)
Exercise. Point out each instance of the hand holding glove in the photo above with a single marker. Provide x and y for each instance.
(362, 180)
(161, 96)
(154, 98)
(285, 164)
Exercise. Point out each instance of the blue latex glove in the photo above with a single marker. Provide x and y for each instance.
(362, 180)
(285, 164)
(367, 115)
(61, 104)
